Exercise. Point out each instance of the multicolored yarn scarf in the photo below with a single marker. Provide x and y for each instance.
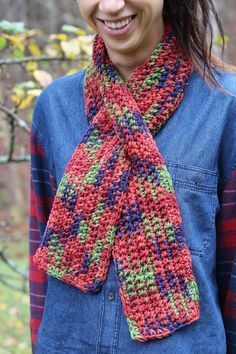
(116, 196)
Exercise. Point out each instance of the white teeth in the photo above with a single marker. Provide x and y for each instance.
(118, 25)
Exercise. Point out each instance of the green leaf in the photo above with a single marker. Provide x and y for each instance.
(70, 29)
(3, 43)
(27, 85)
(218, 40)
(12, 27)
(17, 53)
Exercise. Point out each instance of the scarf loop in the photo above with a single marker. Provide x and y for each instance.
(116, 197)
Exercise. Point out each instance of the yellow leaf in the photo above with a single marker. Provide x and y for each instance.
(34, 92)
(3, 307)
(80, 32)
(35, 32)
(86, 48)
(17, 41)
(26, 102)
(19, 92)
(31, 66)
(71, 72)
(42, 77)
(16, 99)
(59, 37)
(19, 324)
(34, 48)
(86, 44)
(53, 49)
(71, 49)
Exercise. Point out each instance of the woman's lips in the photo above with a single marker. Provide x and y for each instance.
(117, 31)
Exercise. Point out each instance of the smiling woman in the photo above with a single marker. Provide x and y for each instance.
(129, 45)
(133, 172)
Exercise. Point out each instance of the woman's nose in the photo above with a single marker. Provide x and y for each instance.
(111, 6)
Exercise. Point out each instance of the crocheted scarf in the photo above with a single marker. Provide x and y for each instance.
(116, 197)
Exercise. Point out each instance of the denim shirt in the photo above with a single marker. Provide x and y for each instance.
(198, 146)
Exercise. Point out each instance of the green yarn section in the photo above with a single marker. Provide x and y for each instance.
(124, 118)
(151, 79)
(56, 250)
(100, 244)
(84, 230)
(62, 184)
(96, 252)
(96, 215)
(131, 121)
(165, 179)
(133, 329)
(184, 303)
(57, 272)
(173, 304)
(91, 175)
(165, 182)
(153, 227)
(93, 144)
(193, 290)
(141, 187)
(107, 78)
(152, 112)
(144, 279)
(153, 187)
(147, 228)
(85, 227)
(66, 184)
(170, 233)
(110, 236)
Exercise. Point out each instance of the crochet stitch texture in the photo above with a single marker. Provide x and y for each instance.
(116, 196)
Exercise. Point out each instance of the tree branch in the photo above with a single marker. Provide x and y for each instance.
(5, 159)
(10, 61)
(12, 287)
(20, 122)
(12, 265)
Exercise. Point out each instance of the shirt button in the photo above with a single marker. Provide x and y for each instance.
(111, 296)
(197, 181)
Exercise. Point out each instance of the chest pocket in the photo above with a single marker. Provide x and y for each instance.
(196, 192)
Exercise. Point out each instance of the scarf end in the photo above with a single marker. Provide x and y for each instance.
(152, 334)
(90, 281)
(158, 323)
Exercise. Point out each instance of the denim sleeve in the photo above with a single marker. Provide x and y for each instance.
(226, 259)
(42, 192)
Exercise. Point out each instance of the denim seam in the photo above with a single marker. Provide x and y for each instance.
(117, 326)
(51, 166)
(207, 238)
(190, 185)
(192, 168)
(99, 337)
(228, 174)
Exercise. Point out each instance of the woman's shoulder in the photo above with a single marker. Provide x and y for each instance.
(226, 84)
(217, 99)
(62, 94)
(63, 86)
(228, 81)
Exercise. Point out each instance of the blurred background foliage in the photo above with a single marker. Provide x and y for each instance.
(39, 41)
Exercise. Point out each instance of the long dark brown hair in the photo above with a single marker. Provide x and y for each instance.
(192, 21)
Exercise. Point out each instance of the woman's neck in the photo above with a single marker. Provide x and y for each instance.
(126, 63)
